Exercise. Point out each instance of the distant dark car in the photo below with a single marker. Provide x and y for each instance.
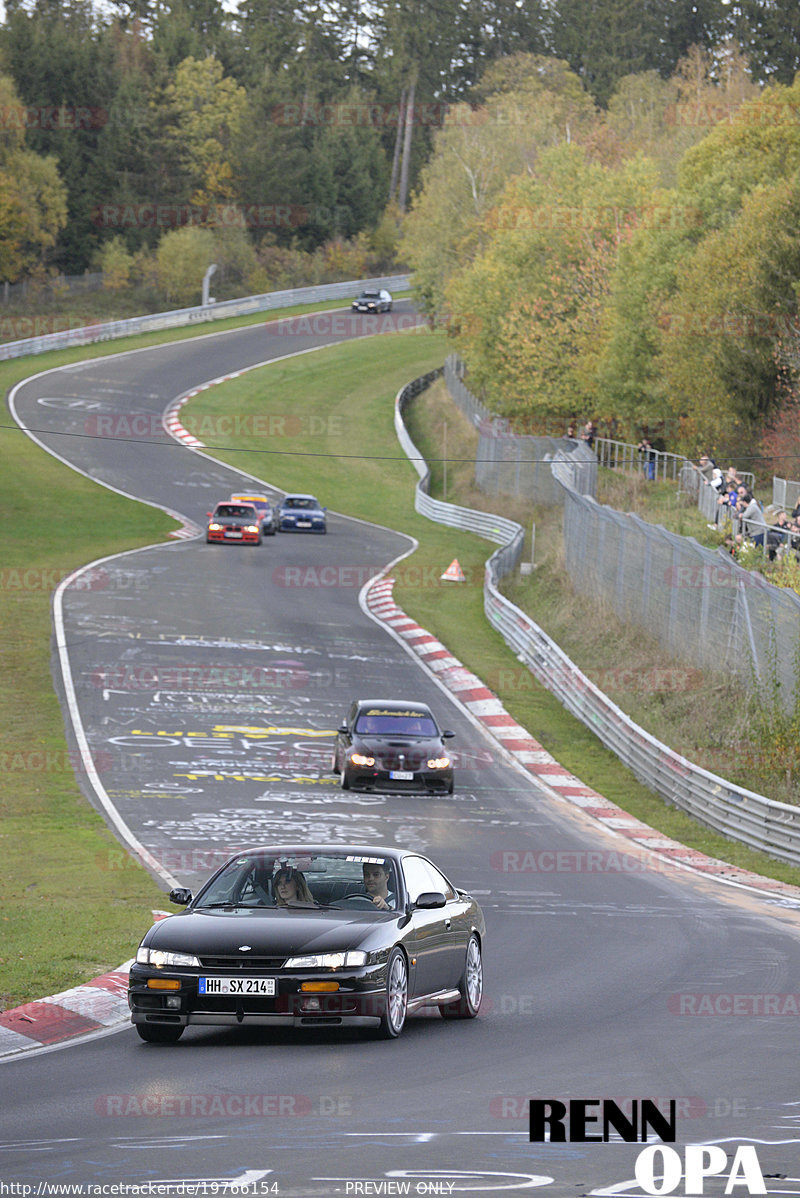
(234, 522)
(392, 744)
(311, 936)
(301, 513)
(372, 301)
(267, 513)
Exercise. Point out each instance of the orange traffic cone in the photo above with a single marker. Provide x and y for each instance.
(453, 573)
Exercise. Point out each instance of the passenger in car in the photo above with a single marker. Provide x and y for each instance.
(290, 886)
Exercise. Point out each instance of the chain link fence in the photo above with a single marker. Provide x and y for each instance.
(696, 602)
(59, 285)
(519, 465)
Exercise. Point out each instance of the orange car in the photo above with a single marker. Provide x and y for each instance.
(234, 522)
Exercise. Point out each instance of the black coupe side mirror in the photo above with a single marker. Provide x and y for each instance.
(180, 896)
(429, 900)
(342, 728)
(446, 735)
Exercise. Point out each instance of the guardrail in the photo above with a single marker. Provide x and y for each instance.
(734, 811)
(504, 532)
(201, 314)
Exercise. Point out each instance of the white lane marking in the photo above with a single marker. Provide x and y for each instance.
(70, 401)
(123, 831)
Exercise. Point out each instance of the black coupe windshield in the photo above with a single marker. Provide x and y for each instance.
(299, 881)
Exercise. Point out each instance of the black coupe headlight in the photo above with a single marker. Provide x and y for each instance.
(160, 958)
(349, 960)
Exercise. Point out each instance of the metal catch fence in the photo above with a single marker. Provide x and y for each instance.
(705, 607)
(517, 464)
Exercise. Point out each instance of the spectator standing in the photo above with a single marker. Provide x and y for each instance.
(706, 466)
(648, 458)
(589, 433)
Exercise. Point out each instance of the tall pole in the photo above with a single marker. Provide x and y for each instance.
(444, 455)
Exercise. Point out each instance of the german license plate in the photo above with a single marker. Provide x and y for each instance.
(401, 775)
(234, 536)
(303, 523)
(236, 986)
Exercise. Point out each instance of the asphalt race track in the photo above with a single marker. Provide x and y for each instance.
(208, 686)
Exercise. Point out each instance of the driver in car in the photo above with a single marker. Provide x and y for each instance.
(376, 884)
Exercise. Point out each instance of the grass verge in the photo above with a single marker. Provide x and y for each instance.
(66, 916)
(339, 387)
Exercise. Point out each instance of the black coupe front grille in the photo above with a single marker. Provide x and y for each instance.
(397, 761)
(243, 964)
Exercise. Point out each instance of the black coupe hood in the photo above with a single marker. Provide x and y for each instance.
(268, 931)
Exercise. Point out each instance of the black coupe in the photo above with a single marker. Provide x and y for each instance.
(392, 744)
(311, 936)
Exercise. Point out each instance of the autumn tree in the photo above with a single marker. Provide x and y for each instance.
(183, 257)
(204, 114)
(529, 104)
(529, 313)
(33, 198)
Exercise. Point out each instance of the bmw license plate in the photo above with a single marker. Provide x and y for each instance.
(234, 535)
(401, 775)
(303, 523)
(236, 986)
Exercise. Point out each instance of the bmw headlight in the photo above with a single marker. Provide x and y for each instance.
(327, 961)
(160, 958)
(214, 527)
(361, 759)
(438, 763)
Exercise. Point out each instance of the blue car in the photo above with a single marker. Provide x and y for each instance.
(301, 513)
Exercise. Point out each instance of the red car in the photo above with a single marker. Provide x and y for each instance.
(234, 522)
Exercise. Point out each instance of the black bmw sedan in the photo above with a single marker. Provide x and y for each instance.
(392, 744)
(311, 936)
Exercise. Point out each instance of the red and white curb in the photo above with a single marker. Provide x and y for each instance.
(488, 710)
(91, 1007)
(100, 1003)
(187, 531)
(171, 417)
